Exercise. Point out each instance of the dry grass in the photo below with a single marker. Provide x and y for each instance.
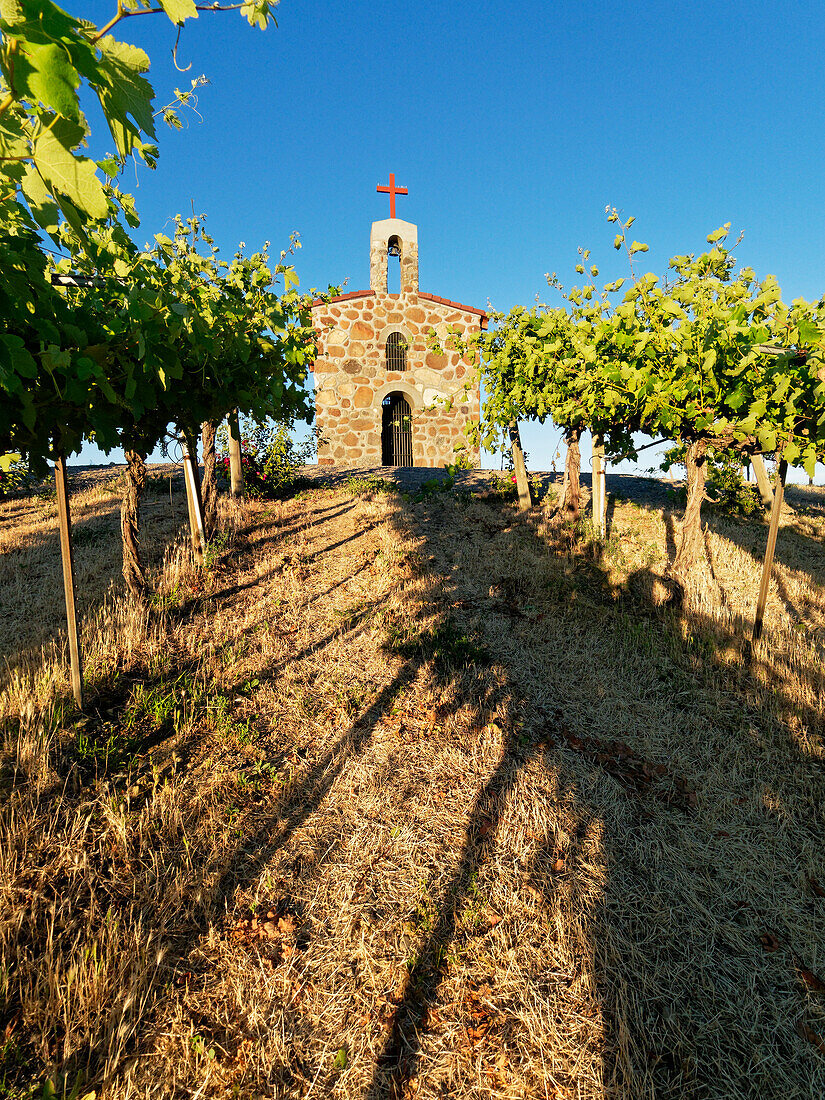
(415, 799)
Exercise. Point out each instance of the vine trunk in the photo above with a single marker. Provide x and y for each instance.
(135, 479)
(571, 500)
(691, 554)
(209, 485)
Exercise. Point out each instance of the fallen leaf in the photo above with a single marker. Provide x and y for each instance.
(558, 865)
(341, 1059)
(769, 941)
(815, 887)
(286, 925)
(810, 979)
(813, 1037)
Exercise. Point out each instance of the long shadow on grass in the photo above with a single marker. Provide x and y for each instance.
(398, 1062)
(451, 652)
(682, 926)
(36, 569)
(97, 552)
(103, 751)
(308, 790)
(794, 549)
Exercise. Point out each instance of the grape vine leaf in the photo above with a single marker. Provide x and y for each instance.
(179, 10)
(68, 174)
(44, 209)
(124, 92)
(44, 74)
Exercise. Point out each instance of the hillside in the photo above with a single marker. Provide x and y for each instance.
(408, 794)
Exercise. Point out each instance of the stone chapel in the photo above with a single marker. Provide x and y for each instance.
(383, 397)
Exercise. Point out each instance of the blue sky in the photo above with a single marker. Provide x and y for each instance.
(512, 125)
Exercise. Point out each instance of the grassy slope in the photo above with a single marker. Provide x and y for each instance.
(414, 799)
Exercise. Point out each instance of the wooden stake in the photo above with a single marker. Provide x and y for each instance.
(762, 482)
(598, 491)
(525, 501)
(193, 500)
(64, 523)
(767, 566)
(235, 466)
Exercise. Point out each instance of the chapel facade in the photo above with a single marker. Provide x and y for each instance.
(383, 396)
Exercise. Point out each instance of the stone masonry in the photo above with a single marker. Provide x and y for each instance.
(351, 376)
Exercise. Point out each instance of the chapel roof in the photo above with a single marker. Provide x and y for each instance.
(427, 297)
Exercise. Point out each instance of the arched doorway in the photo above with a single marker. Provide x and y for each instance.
(396, 431)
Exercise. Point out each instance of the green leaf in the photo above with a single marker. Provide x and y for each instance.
(257, 12)
(70, 175)
(791, 452)
(110, 166)
(11, 13)
(13, 140)
(719, 234)
(179, 10)
(125, 95)
(44, 209)
(341, 1059)
(767, 439)
(13, 354)
(809, 333)
(127, 205)
(44, 74)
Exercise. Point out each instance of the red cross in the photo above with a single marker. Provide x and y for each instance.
(392, 191)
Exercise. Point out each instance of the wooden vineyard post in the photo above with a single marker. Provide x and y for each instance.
(599, 494)
(64, 523)
(767, 566)
(235, 467)
(762, 482)
(525, 501)
(194, 504)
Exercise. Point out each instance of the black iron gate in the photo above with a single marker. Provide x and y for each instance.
(396, 431)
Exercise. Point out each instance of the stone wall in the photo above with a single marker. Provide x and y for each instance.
(351, 378)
